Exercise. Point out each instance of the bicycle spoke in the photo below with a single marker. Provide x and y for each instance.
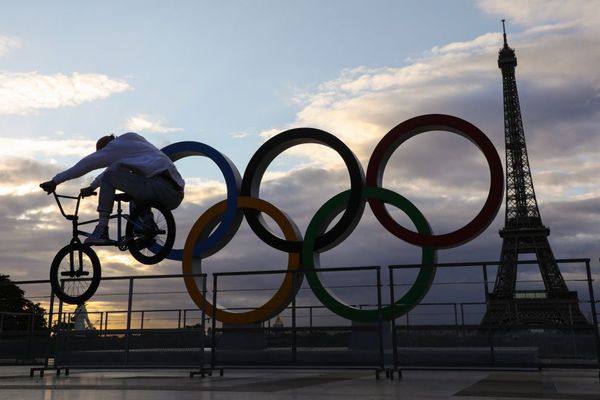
(151, 240)
(75, 273)
(74, 286)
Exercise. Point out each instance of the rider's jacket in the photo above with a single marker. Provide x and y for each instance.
(127, 152)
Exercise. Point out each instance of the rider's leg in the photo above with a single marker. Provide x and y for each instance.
(154, 189)
(167, 193)
(133, 184)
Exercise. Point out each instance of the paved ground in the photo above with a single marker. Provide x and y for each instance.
(15, 384)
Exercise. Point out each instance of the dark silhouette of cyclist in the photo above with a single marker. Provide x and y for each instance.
(134, 166)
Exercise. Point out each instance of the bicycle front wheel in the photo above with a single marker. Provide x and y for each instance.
(75, 273)
(150, 233)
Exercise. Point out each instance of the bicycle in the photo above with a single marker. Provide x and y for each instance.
(149, 237)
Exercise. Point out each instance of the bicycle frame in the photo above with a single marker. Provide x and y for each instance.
(74, 218)
(136, 237)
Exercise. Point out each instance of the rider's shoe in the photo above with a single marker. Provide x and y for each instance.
(146, 230)
(145, 223)
(99, 236)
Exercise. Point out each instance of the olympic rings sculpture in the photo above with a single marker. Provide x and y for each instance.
(217, 226)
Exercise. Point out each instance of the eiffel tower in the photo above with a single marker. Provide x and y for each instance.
(523, 232)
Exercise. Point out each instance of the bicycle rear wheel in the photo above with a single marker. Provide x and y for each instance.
(75, 273)
(150, 233)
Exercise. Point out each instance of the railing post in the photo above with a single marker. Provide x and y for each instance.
(485, 284)
(142, 321)
(455, 314)
(214, 323)
(179, 319)
(129, 307)
(380, 320)
(203, 325)
(456, 323)
(573, 328)
(30, 324)
(60, 308)
(487, 305)
(50, 312)
(294, 336)
(57, 337)
(68, 335)
(593, 305)
(392, 305)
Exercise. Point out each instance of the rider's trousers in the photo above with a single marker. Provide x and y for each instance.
(158, 190)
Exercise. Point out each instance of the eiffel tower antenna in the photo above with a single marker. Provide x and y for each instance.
(524, 232)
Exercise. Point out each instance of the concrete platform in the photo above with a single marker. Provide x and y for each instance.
(15, 384)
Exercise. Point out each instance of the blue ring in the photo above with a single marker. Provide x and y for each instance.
(232, 218)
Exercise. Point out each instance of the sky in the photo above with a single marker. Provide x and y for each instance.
(233, 74)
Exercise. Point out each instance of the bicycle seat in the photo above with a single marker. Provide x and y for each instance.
(123, 197)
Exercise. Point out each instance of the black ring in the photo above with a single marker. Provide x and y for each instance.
(272, 148)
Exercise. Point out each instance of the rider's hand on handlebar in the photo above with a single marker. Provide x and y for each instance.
(49, 186)
(87, 192)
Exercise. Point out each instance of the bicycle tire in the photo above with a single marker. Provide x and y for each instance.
(160, 244)
(55, 280)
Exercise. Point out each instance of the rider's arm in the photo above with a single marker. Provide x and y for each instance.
(96, 182)
(99, 159)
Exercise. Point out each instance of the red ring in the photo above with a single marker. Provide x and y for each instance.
(437, 122)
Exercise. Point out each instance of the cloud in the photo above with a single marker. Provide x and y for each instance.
(7, 44)
(363, 104)
(539, 12)
(444, 175)
(480, 43)
(148, 124)
(45, 147)
(240, 135)
(560, 92)
(20, 177)
(25, 92)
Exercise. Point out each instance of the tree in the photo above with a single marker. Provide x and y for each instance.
(14, 304)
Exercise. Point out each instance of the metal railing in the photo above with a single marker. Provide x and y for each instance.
(467, 343)
(130, 346)
(25, 343)
(301, 349)
(438, 331)
(177, 318)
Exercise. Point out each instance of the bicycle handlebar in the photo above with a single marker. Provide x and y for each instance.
(57, 197)
(67, 197)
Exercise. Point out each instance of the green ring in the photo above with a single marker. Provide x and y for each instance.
(310, 258)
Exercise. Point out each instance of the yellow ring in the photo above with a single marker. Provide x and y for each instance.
(290, 283)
